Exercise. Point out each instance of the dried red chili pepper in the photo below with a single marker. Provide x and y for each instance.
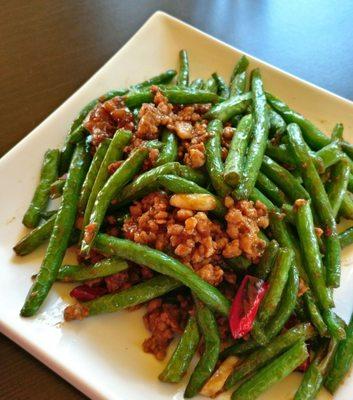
(86, 293)
(245, 305)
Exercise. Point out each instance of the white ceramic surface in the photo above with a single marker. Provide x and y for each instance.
(102, 356)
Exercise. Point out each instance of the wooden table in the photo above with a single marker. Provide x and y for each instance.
(49, 48)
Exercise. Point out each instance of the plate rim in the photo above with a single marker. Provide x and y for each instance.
(21, 340)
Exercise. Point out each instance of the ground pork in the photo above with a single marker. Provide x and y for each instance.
(186, 121)
(193, 237)
(106, 118)
(244, 220)
(164, 320)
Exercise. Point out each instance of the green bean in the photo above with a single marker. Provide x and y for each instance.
(330, 154)
(169, 152)
(267, 260)
(197, 84)
(35, 238)
(56, 188)
(78, 273)
(280, 154)
(241, 66)
(277, 123)
(258, 144)
(183, 76)
(164, 264)
(277, 281)
(240, 347)
(287, 209)
(47, 214)
(342, 361)
(114, 153)
(311, 382)
(164, 77)
(145, 183)
(183, 354)
(238, 85)
(208, 360)
(286, 306)
(239, 69)
(267, 187)
(337, 132)
(313, 136)
(92, 174)
(334, 325)
(192, 174)
(347, 148)
(262, 356)
(123, 175)
(176, 184)
(39, 202)
(314, 376)
(235, 159)
(175, 95)
(337, 186)
(214, 162)
(211, 85)
(314, 314)
(272, 373)
(227, 109)
(346, 209)
(284, 179)
(256, 195)
(64, 222)
(311, 252)
(111, 94)
(140, 293)
(222, 88)
(346, 237)
(321, 203)
(68, 148)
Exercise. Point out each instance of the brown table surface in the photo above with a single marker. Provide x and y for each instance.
(48, 49)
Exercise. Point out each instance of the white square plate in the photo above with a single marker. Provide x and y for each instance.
(102, 356)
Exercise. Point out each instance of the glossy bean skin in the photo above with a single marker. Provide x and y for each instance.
(137, 294)
(164, 77)
(39, 202)
(162, 263)
(260, 357)
(272, 373)
(92, 174)
(169, 152)
(114, 152)
(311, 252)
(214, 162)
(321, 203)
(257, 145)
(234, 163)
(265, 265)
(79, 273)
(222, 88)
(238, 77)
(270, 189)
(337, 186)
(208, 360)
(123, 175)
(227, 109)
(342, 361)
(313, 136)
(183, 76)
(59, 240)
(35, 238)
(180, 360)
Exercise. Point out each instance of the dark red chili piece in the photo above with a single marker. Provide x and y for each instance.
(245, 305)
(86, 293)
